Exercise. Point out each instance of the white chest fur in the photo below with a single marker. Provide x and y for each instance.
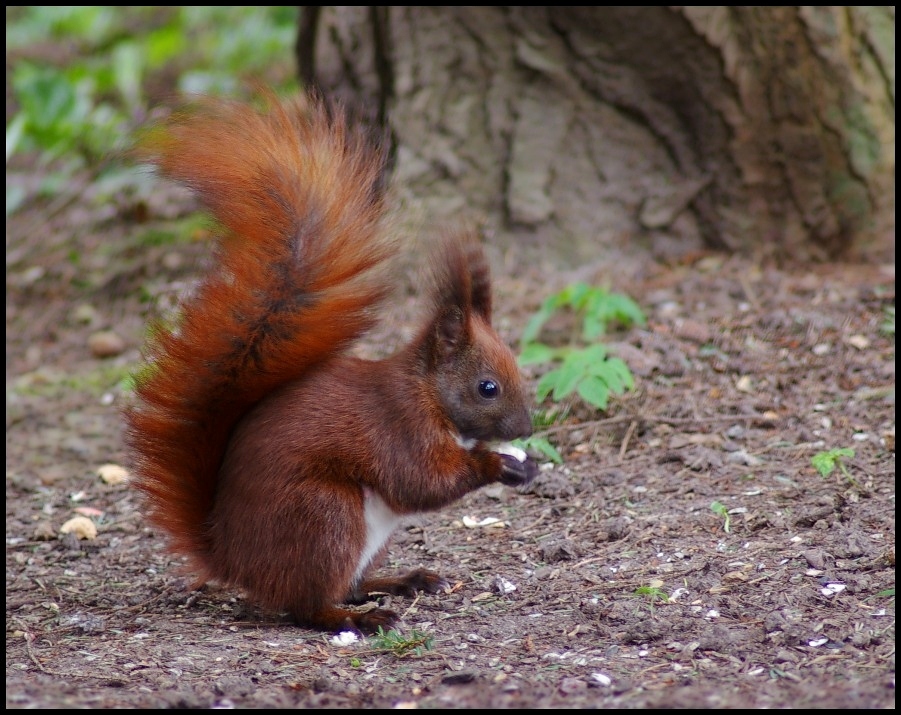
(381, 521)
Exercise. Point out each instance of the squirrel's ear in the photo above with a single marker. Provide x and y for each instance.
(461, 276)
(479, 281)
(450, 333)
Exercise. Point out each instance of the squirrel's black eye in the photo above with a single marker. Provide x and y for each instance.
(489, 389)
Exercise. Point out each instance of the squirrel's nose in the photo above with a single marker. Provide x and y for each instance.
(518, 426)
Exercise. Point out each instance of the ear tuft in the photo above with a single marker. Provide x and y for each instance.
(461, 276)
(480, 279)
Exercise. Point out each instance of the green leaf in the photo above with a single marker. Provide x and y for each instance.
(576, 295)
(592, 356)
(826, 462)
(721, 511)
(594, 391)
(539, 352)
(593, 326)
(15, 197)
(823, 463)
(615, 373)
(625, 310)
(14, 132)
(394, 641)
(652, 592)
(546, 384)
(537, 321)
(542, 445)
(128, 71)
(164, 44)
(618, 366)
(569, 374)
(585, 370)
(612, 380)
(47, 99)
(888, 322)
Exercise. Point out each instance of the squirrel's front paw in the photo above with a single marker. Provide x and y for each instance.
(515, 473)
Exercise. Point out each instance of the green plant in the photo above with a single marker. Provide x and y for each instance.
(186, 228)
(826, 462)
(583, 366)
(395, 642)
(540, 443)
(597, 306)
(721, 511)
(542, 419)
(888, 321)
(81, 110)
(652, 594)
(586, 370)
(75, 113)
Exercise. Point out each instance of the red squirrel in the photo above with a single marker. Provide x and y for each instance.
(273, 460)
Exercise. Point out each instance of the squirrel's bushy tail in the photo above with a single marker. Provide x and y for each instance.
(296, 190)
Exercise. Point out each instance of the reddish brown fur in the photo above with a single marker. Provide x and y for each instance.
(256, 440)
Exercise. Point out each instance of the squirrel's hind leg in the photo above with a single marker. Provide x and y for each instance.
(406, 585)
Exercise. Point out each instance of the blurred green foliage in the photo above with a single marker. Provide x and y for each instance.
(888, 321)
(583, 366)
(79, 76)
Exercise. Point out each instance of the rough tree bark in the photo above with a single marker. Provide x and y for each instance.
(761, 129)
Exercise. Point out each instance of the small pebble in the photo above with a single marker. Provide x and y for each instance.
(106, 343)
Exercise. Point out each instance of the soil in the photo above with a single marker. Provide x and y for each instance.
(614, 580)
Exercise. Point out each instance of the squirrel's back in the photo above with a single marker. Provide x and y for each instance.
(297, 193)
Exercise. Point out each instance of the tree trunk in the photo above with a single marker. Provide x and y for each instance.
(760, 129)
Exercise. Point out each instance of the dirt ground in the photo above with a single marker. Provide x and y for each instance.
(609, 582)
